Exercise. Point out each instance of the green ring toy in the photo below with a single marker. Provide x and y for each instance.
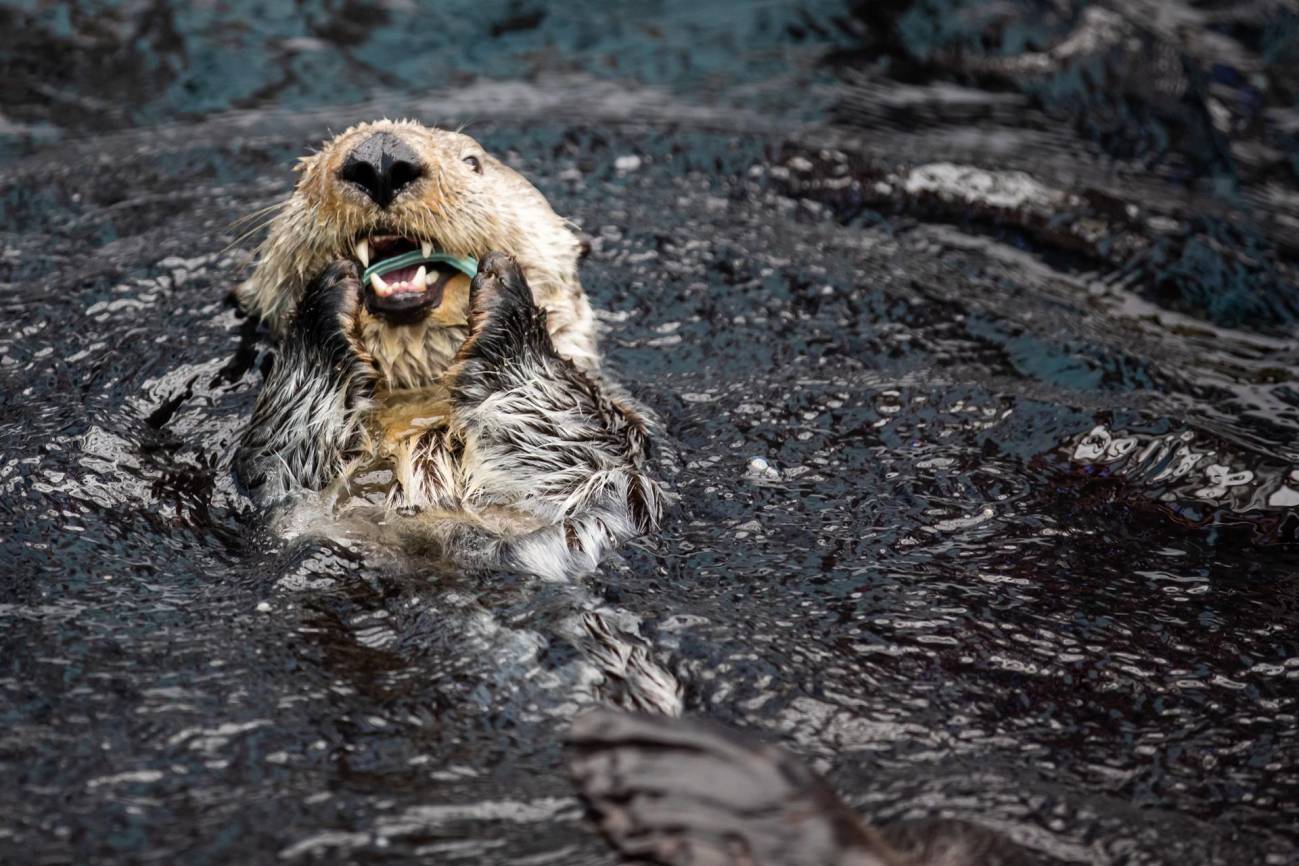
(467, 266)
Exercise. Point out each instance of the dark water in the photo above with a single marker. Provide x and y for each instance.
(908, 254)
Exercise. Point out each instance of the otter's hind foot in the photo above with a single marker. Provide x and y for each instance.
(687, 793)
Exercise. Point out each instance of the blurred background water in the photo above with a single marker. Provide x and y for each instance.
(972, 327)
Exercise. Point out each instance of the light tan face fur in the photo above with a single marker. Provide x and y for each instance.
(461, 211)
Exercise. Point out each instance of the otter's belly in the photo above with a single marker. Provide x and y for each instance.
(403, 415)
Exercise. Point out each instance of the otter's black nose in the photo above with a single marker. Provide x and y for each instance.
(382, 166)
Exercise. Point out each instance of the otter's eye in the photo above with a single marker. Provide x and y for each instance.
(472, 162)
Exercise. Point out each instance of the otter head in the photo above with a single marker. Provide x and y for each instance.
(384, 189)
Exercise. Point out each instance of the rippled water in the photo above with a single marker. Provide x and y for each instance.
(972, 328)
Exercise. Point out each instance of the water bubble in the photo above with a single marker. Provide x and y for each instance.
(760, 469)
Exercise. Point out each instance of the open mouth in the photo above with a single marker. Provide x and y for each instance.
(406, 278)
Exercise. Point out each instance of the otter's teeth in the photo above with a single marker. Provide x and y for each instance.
(380, 287)
(426, 249)
(363, 252)
(421, 279)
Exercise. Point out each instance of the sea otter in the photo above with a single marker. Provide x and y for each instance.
(472, 408)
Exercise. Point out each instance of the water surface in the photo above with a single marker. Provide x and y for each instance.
(897, 277)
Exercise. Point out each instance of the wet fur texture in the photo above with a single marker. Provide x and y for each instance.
(510, 451)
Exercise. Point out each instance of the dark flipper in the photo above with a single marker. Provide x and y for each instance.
(684, 792)
(687, 793)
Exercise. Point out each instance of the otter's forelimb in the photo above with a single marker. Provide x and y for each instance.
(308, 417)
(540, 434)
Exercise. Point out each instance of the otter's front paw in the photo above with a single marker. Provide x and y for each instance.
(504, 321)
(330, 302)
(499, 290)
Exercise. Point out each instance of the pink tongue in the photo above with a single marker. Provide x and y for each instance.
(402, 275)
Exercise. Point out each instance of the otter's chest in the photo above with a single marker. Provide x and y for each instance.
(411, 356)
